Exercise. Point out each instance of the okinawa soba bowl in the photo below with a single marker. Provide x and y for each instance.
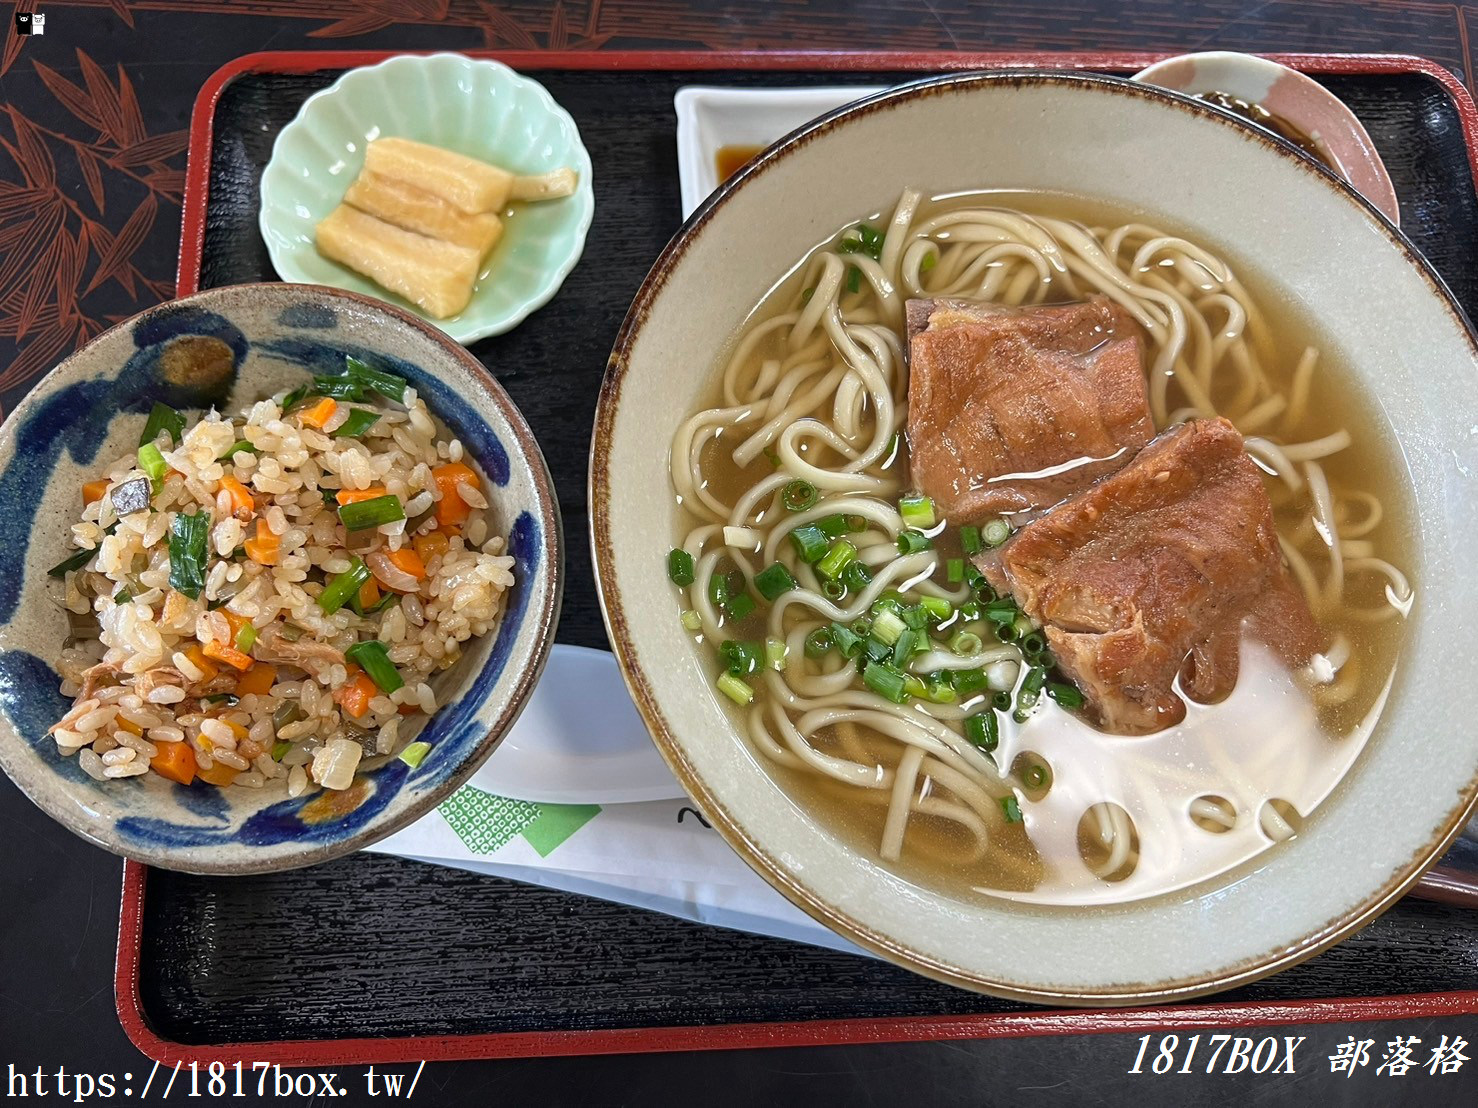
(262, 457)
(1236, 209)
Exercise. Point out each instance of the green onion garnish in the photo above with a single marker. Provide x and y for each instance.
(806, 294)
(810, 543)
(873, 650)
(735, 689)
(692, 620)
(280, 749)
(818, 642)
(718, 589)
(738, 607)
(1029, 693)
(970, 540)
(917, 512)
(903, 649)
(1066, 695)
(360, 420)
(230, 700)
(938, 608)
(833, 527)
(856, 576)
(122, 596)
(862, 626)
(774, 458)
(915, 617)
(246, 638)
(835, 591)
(75, 561)
(294, 398)
(342, 587)
(415, 754)
(680, 567)
(954, 570)
(1001, 610)
(187, 541)
(995, 532)
(891, 600)
(887, 626)
(373, 657)
(152, 462)
(968, 681)
(1000, 701)
(364, 514)
(850, 244)
(847, 640)
(885, 681)
(929, 262)
(939, 690)
(240, 446)
(741, 658)
(854, 279)
(339, 388)
(775, 653)
(841, 555)
(913, 542)
(798, 495)
(774, 581)
(163, 418)
(387, 385)
(1033, 643)
(1036, 776)
(855, 523)
(983, 731)
(1011, 809)
(966, 644)
(872, 240)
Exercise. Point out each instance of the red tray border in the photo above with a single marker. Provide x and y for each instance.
(518, 1044)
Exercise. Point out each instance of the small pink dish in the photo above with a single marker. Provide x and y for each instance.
(1292, 97)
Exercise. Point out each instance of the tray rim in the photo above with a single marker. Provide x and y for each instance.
(513, 1044)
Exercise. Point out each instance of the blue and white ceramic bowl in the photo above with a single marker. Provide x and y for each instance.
(90, 409)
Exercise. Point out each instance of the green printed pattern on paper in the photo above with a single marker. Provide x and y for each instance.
(486, 823)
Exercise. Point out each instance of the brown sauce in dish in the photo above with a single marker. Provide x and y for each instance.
(731, 159)
(1256, 113)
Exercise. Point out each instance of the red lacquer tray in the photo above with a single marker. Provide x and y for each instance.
(230, 1014)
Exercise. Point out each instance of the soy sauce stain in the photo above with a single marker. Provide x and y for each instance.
(1256, 113)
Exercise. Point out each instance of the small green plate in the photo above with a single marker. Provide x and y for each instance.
(475, 107)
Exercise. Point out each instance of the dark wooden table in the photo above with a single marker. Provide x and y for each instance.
(92, 138)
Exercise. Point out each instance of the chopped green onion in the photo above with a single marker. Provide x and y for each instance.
(970, 540)
(415, 754)
(903, 649)
(887, 626)
(1001, 611)
(330, 497)
(775, 653)
(1011, 809)
(280, 749)
(854, 279)
(738, 607)
(874, 650)
(930, 261)
(735, 689)
(373, 657)
(913, 542)
(360, 420)
(917, 512)
(294, 398)
(983, 730)
(387, 385)
(954, 570)
(810, 543)
(152, 462)
(818, 642)
(915, 617)
(835, 591)
(246, 638)
(798, 496)
(938, 608)
(365, 514)
(740, 658)
(774, 458)
(939, 690)
(855, 523)
(872, 240)
(1066, 695)
(718, 589)
(890, 452)
(806, 294)
(342, 587)
(833, 527)
(67, 565)
(1033, 643)
(1029, 693)
(841, 555)
(680, 567)
(1036, 776)
(338, 388)
(862, 626)
(122, 596)
(857, 576)
(1007, 632)
(995, 532)
(966, 644)
(885, 681)
(1000, 701)
(914, 686)
(967, 681)
(240, 446)
(849, 245)
(162, 418)
(187, 554)
(774, 581)
(692, 620)
(847, 640)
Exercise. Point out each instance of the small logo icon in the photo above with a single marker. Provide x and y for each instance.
(30, 23)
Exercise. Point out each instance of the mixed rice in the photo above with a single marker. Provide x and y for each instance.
(265, 598)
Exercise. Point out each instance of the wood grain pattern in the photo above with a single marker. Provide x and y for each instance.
(500, 956)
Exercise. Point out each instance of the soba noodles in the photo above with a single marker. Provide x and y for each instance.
(815, 391)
